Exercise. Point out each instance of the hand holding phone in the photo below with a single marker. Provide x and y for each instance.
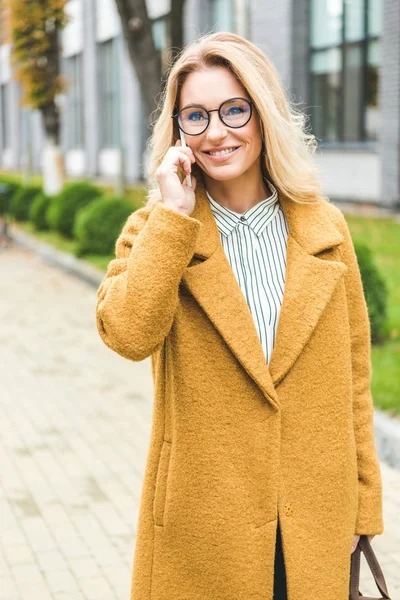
(175, 193)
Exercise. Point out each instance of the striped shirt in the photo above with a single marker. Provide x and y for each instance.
(255, 245)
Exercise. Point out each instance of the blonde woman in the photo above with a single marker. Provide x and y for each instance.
(245, 291)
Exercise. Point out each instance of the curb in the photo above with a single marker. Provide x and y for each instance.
(69, 263)
(387, 438)
(386, 428)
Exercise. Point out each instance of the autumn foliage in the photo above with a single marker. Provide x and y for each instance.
(35, 48)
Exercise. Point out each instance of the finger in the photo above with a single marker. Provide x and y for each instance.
(185, 160)
(178, 144)
(355, 541)
(178, 156)
(185, 149)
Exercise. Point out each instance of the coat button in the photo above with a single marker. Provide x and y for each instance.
(288, 509)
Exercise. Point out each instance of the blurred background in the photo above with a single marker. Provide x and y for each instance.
(339, 59)
(79, 86)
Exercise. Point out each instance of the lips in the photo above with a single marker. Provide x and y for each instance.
(220, 149)
(220, 158)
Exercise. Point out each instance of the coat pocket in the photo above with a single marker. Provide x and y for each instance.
(161, 484)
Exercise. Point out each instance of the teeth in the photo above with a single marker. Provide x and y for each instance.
(222, 152)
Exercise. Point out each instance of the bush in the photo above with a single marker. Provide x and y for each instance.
(375, 291)
(64, 207)
(8, 187)
(38, 211)
(99, 224)
(21, 202)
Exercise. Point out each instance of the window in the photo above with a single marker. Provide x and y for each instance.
(221, 15)
(74, 101)
(5, 114)
(108, 77)
(159, 30)
(345, 69)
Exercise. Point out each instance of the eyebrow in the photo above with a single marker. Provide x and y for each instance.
(194, 104)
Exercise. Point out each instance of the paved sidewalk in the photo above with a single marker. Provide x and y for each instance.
(74, 431)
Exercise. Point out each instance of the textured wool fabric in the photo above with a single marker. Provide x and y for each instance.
(235, 442)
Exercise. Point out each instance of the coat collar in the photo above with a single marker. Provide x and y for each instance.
(309, 284)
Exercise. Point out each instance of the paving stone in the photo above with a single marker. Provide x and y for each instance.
(84, 567)
(62, 581)
(51, 561)
(96, 588)
(8, 587)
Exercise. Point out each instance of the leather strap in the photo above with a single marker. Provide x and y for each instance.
(364, 546)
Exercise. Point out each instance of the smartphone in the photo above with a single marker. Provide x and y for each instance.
(183, 140)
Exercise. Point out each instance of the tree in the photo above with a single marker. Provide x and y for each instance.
(35, 51)
(145, 57)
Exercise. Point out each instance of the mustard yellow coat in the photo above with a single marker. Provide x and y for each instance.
(237, 443)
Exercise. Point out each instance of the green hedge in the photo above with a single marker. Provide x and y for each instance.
(375, 291)
(8, 187)
(21, 202)
(98, 225)
(38, 211)
(64, 207)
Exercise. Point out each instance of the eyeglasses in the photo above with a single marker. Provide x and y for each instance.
(194, 119)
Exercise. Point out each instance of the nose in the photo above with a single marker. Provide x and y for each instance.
(216, 129)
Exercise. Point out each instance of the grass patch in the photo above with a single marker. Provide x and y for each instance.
(49, 237)
(65, 245)
(101, 262)
(382, 236)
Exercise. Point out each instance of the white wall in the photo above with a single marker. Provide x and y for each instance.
(72, 35)
(75, 162)
(5, 70)
(107, 20)
(157, 8)
(351, 175)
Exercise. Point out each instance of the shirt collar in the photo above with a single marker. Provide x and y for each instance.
(257, 217)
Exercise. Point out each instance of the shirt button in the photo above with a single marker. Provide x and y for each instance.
(242, 218)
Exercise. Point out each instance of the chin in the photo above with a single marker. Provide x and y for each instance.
(224, 174)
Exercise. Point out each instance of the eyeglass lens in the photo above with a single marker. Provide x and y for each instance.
(234, 113)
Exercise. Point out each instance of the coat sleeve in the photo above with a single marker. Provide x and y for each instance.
(138, 297)
(369, 518)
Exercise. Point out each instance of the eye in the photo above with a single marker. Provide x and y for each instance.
(234, 110)
(196, 115)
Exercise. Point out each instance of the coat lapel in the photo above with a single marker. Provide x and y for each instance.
(309, 285)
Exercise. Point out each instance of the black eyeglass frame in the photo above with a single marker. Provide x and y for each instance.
(175, 115)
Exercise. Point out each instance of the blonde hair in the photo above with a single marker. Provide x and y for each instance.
(287, 145)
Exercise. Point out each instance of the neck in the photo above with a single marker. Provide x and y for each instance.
(239, 194)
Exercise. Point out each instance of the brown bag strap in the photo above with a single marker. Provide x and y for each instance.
(364, 546)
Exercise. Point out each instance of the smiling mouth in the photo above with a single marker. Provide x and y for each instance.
(223, 152)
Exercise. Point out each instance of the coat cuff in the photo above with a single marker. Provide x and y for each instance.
(179, 231)
(369, 517)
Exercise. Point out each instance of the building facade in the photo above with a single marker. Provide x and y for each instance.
(339, 61)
